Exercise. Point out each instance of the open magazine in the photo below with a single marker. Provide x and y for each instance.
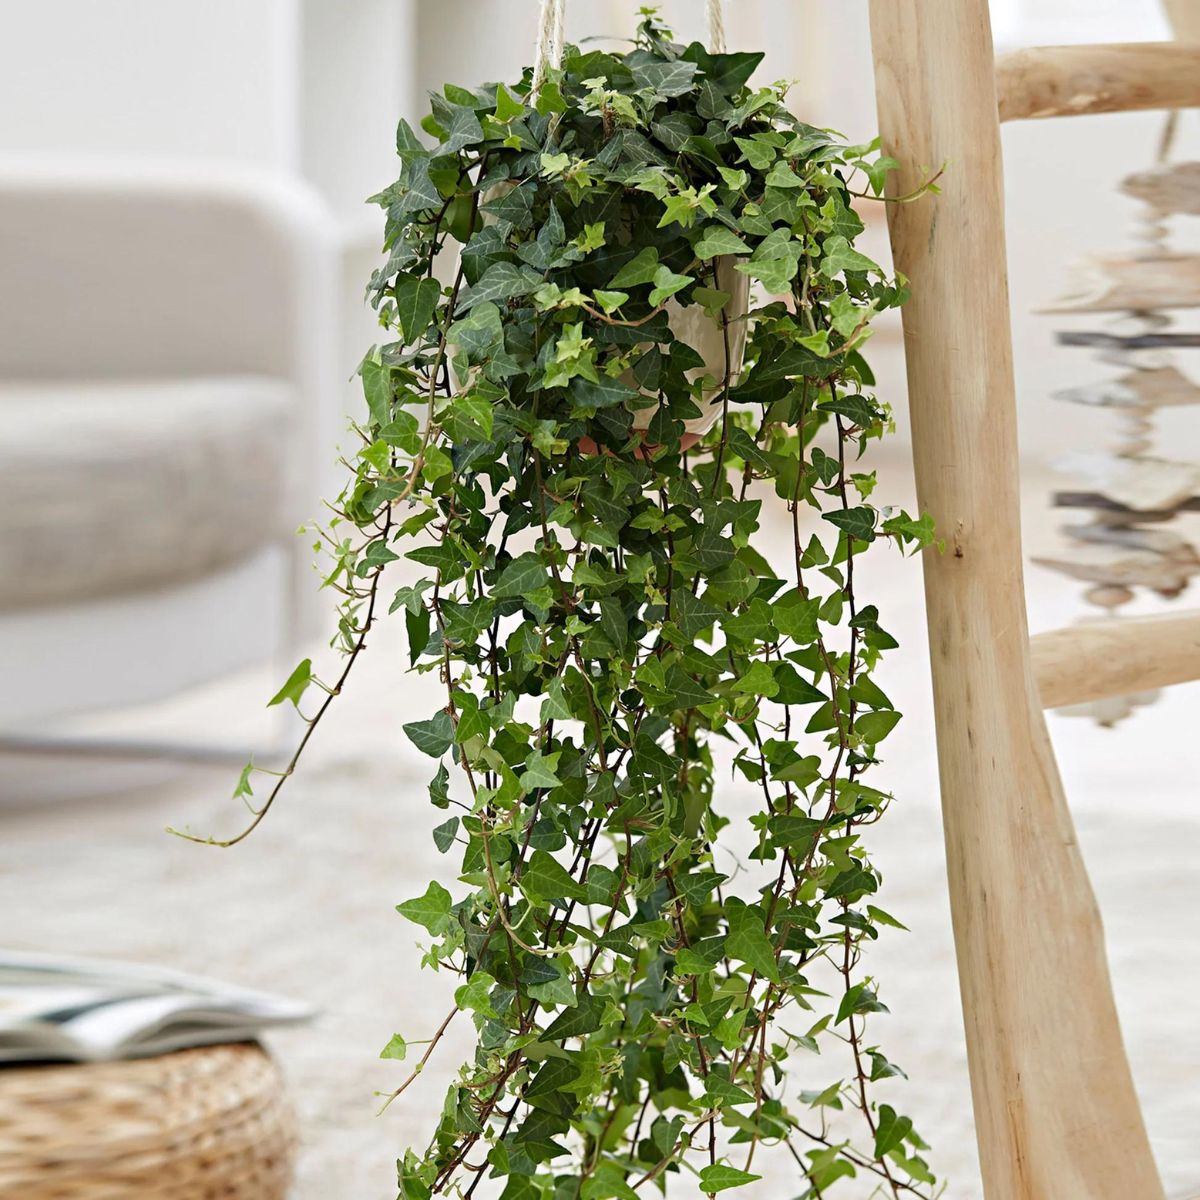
(86, 1010)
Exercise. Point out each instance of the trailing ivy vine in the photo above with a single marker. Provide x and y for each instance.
(650, 1011)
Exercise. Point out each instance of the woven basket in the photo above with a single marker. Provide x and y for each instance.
(194, 1125)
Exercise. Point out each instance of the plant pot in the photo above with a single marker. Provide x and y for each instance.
(691, 323)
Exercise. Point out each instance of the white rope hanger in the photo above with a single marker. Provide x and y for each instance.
(716, 27)
(548, 52)
(551, 19)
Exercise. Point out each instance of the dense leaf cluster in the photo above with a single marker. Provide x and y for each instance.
(608, 632)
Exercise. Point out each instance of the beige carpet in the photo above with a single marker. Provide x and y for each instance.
(306, 906)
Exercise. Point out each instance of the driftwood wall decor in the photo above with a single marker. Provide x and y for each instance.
(1120, 539)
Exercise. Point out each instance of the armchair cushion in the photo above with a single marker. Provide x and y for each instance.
(113, 487)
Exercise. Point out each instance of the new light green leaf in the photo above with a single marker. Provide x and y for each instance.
(839, 256)
(539, 771)
(474, 995)
(296, 685)
(396, 1048)
(717, 239)
(545, 878)
(507, 105)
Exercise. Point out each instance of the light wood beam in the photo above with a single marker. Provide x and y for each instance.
(1066, 81)
(1099, 659)
(1055, 1110)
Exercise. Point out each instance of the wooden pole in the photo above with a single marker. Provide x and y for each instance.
(1056, 1114)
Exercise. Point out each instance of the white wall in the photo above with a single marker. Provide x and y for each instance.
(169, 78)
(359, 78)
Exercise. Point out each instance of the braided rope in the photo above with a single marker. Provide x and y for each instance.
(716, 27)
(552, 22)
(549, 48)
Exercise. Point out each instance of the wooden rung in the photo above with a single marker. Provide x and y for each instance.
(1064, 81)
(1116, 657)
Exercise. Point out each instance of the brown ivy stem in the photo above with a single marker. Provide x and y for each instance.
(718, 466)
(908, 197)
(848, 956)
(857, 1159)
(431, 428)
(433, 1041)
(312, 723)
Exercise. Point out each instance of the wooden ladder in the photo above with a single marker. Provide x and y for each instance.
(1056, 1114)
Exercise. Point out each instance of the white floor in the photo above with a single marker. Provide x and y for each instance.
(306, 906)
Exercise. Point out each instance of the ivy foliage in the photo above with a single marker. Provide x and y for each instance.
(650, 1009)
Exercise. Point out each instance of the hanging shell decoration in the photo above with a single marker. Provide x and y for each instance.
(1131, 493)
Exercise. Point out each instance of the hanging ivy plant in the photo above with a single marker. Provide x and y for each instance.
(610, 637)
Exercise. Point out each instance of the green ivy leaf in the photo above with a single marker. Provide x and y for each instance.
(796, 616)
(444, 834)
(716, 240)
(434, 736)
(666, 285)
(859, 522)
(377, 387)
(550, 98)
(431, 910)
(575, 1022)
(416, 300)
(665, 79)
(640, 269)
(718, 1177)
(759, 680)
(890, 1130)
(539, 771)
(838, 256)
(875, 726)
(523, 575)
(501, 281)
(747, 942)
(610, 301)
(545, 878)
(713, 301)
(556, 991)
(244, 787)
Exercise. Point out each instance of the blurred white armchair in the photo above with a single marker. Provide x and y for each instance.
(168, 410)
